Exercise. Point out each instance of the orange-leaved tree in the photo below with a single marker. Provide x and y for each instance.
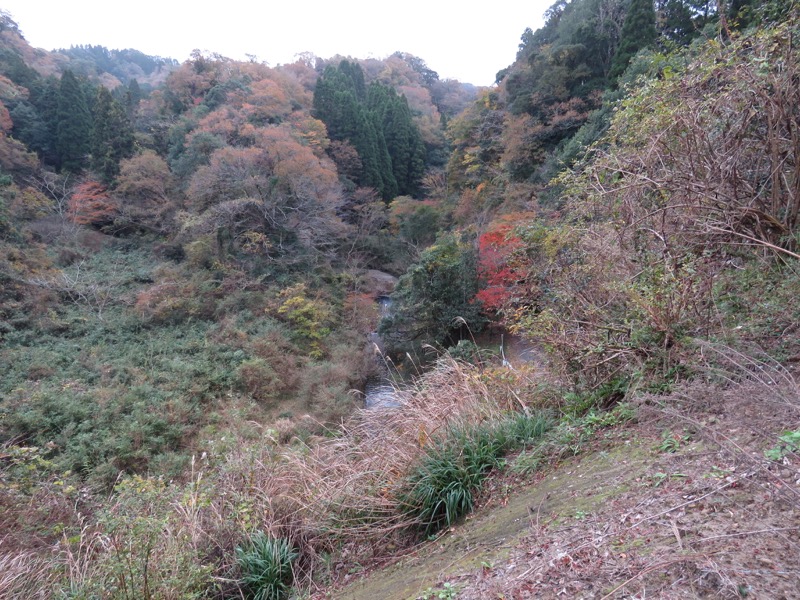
(91, 204)
(497, 269)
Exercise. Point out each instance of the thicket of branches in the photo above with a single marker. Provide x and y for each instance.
(697, 178)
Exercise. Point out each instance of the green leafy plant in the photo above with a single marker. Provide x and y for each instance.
(266, 566)
(441, 488)
(789, 442)
(310, 318)
(446, 592)
(570, 435)
(671, 442)
(622, 413)
(434, 299)
(146, 550)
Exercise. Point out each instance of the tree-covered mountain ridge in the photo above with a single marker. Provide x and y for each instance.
(188, 305)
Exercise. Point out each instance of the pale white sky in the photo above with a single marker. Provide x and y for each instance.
(464, 40)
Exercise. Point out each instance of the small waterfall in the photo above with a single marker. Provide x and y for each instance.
(384, 306)
(378, 390)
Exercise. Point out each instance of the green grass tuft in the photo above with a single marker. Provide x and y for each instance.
(266, 566)
(442, 488)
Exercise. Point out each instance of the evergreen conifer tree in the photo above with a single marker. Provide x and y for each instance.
(638, 31)
(365, 117)
(403, 142)
(73, 125)
(44, 98)
(133, 95)
(112, 137)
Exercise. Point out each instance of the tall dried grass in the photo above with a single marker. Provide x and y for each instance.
(342, 491)
(336, 499)
(24, 576)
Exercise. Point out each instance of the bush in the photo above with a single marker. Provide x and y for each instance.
(442, 487)
(266, 566)
(434, 300)
(676, 195)
(257, 377)
(144, 544)
(311, 319)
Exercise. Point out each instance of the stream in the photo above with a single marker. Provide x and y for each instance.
(378, 389)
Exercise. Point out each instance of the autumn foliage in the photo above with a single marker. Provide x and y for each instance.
(496, 266)
(90, 204)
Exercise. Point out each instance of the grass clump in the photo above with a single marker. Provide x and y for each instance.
(569, 437)
(266, 566)
(442, 487)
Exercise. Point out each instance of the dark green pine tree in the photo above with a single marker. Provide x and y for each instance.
(403, 141)
(340, 101)
(5, 196)
(346, 117)
(73, 125)
(133, 96)
(112, 137)
(44, 97)
(638, 31)
(353, 75)
(675, 21)
(388, 188)
(339, 97)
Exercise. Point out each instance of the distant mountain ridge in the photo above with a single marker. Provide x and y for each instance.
(111, 68)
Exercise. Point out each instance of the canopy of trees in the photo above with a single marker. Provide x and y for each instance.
(377, 123)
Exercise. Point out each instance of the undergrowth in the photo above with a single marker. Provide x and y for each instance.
(442, 487)
(569, 437)
(135, 364)
(266, 567)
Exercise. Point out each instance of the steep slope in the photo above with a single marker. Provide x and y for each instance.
(684, 503)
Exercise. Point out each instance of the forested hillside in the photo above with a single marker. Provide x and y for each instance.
(191, 257)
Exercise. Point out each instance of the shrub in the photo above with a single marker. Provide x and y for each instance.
(434, 300)
(467, 351)
(90, 204)
(146, 543)
(311, 319)
(257, 377)
(266, 566)
(693, 177)
(442, 487)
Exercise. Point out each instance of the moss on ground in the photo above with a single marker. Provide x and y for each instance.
(576, 487)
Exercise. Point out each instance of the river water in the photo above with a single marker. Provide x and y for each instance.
(378, 389)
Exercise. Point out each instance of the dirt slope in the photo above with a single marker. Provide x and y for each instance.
(683, 504)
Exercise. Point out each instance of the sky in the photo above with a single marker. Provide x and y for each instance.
(463, 40)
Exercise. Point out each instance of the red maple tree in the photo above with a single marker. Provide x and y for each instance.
(90, 204)
(496, 268)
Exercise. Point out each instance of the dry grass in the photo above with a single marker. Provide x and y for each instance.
(713, 519)
(24, 576)
(335, 497)
(340, 491)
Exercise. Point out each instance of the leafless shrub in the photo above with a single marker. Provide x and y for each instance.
(734, 366)
(710, 157)
(79, 288)
(700, 169)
